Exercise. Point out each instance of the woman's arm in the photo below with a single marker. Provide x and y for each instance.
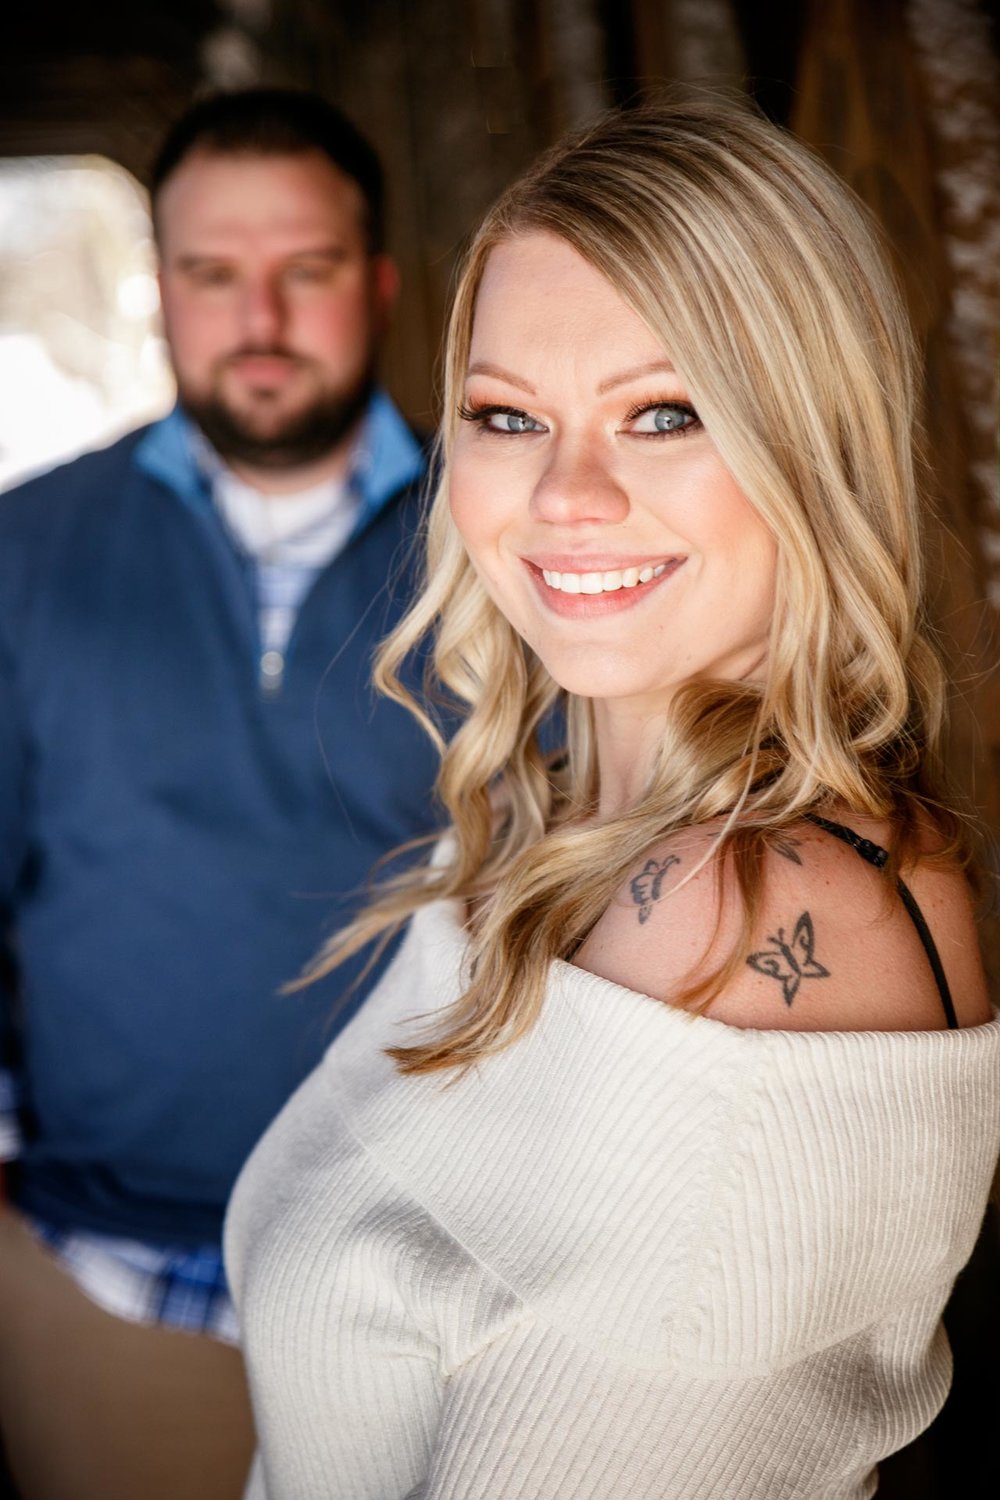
(539, 1417)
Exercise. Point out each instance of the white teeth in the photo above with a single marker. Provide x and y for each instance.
(601, 583)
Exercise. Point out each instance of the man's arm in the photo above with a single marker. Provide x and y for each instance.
(13, 839)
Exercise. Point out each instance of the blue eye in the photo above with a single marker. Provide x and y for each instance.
(669, 418)
(504, 420)
(663, 417)
(513, 421)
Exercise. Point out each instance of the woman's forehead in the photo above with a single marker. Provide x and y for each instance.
(537, 292)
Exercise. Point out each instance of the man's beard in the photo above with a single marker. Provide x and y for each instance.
(305, 436)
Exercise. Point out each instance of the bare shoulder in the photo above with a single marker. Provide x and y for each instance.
(945, 900)
(833, 947)
(655, 934)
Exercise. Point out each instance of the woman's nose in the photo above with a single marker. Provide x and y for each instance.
(579, 486)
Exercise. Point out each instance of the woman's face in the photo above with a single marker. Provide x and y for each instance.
(593, 504)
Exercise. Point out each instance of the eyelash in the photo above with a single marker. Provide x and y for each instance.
(480, 414)
(681, 406)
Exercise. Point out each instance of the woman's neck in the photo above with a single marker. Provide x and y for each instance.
(627, 736)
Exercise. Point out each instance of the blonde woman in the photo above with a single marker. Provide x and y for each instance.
(647, 1169)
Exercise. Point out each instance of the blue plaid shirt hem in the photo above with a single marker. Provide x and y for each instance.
(158, 1286)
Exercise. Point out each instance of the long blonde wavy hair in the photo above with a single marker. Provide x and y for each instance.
(761, 276)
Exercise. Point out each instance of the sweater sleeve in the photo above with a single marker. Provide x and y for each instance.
(537, 1414)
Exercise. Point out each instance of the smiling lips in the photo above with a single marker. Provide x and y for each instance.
(602, 583)
(600, 591)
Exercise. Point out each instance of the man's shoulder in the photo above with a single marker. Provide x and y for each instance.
(96, 473)
(391, 458)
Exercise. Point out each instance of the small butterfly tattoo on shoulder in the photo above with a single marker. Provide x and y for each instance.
(647, 886)
(790, 960)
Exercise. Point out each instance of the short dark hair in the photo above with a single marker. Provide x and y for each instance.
(276, 122)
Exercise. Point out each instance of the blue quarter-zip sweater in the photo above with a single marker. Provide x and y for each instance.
(176, 839)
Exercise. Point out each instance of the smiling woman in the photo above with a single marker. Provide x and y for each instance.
(648, 1167)
(600, 518)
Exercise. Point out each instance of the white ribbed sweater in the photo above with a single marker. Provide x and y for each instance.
(637, 1256)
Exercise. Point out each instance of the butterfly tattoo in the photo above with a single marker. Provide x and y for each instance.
(790, 961)
(781, 843)
(786, 846)
(648, 884)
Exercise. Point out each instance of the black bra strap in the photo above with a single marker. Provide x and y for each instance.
(877, 856)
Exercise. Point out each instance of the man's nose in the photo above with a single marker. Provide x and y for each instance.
(263, 310)
(578, 485)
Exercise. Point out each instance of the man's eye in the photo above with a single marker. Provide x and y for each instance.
(663, 418)
(212, 276)
(308, 275)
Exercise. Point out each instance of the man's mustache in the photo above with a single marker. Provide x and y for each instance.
(260, 351)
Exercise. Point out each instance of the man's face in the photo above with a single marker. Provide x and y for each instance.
(272, 304)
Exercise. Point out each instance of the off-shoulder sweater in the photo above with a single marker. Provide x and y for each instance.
(638, 1255)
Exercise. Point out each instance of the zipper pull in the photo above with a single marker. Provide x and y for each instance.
(272, 671)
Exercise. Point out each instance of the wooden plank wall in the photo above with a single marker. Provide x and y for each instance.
(862, 103)
(76, 80)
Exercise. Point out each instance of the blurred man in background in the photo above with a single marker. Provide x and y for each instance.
(195, 781)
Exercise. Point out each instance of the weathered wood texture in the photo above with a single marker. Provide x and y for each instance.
(76, 80)
(861, 104)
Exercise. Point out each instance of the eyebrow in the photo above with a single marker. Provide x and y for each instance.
(653, 367)
(483, 367)
(194, 258)
(191, 259)
(329, 251)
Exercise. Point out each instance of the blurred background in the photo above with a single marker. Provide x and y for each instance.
(901, 96)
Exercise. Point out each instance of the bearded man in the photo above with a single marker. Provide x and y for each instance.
(195, 781)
